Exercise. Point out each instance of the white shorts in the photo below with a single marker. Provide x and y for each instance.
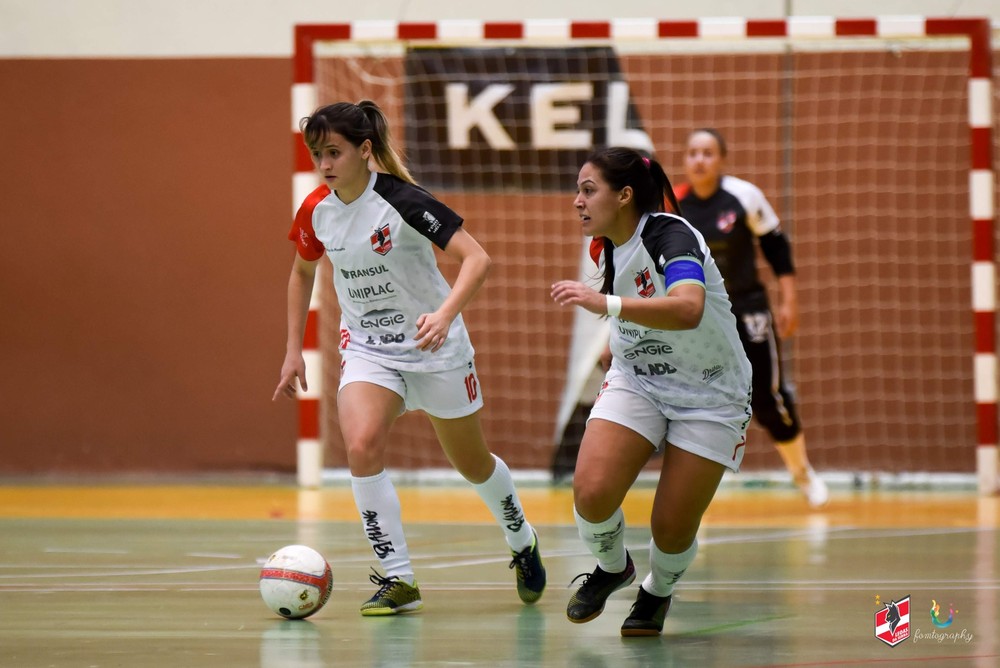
(444, 394)
(717, 433)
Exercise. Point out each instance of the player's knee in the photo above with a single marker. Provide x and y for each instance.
(781, 423)
(364, 456)
(782, 431)
(476, 467)
(594, 500)
(674, 534)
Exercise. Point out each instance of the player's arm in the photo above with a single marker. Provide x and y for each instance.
(788, 309)
(300, 287)
(682, 307)
(778, 252)
(681, 263)
(432, 328)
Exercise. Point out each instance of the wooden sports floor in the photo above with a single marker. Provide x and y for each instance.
(148, 575)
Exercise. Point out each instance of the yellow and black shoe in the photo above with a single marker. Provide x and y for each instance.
(392, 598)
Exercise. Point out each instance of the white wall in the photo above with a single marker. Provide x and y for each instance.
(192, 28)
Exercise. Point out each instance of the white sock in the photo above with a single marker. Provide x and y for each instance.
(605, 540)
(666, 569)
(381, 519)
(501, 498)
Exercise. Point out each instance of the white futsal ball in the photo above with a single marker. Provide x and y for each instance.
(296, 581)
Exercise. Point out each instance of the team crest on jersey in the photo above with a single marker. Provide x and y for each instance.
(381, 241)
(644, 283)
(726, 221)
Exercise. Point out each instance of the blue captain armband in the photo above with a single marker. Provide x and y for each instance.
(683, 270)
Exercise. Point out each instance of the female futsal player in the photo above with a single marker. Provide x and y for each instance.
(403, 343)
(679, 383)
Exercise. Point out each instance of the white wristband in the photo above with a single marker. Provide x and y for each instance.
(614, 306)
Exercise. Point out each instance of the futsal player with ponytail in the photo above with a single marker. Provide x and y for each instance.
(679, 383)
(403, 342)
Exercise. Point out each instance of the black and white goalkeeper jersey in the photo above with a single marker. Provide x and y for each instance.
(384, 269)
(701, 367)
(731, 220)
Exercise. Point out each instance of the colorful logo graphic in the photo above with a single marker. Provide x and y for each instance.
(936, 615)
(892, 623)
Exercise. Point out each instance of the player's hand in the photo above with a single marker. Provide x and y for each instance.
(788, 320)
(432, 331)
(293, 367)
(574, 293)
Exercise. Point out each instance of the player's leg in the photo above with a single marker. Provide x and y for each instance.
(624, 427)
(774, 405)
(793, 453)
(452, 400)
(465, 447)
(701, 444)
(686, 487)
(367, 408)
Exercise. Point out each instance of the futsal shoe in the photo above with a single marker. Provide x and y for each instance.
(392, 598)
(530, 571)
(588, 601)
(814, 489)
(648, 613)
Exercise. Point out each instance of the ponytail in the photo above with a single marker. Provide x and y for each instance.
(382, 144)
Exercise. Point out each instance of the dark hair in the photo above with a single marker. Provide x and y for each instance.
(719, 139)
(356, 123)
(621, 167)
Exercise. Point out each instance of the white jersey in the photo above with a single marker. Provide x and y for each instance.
(384, 269)
(701, 367)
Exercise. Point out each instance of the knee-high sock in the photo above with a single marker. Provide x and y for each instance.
(381, 518)
(605, 540)
(501, 498)
(666, 569)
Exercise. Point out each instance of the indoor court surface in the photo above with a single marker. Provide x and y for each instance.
(148, 575)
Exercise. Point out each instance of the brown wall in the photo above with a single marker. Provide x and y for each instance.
(143, 208)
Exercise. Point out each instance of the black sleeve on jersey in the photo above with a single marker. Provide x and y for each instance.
(419, 209)
(666, 238)
(778, 252)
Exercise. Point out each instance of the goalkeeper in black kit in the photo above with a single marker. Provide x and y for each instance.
(733, 215)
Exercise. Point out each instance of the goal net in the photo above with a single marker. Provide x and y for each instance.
(861, 142)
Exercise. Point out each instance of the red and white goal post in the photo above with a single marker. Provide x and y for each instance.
(872, 138)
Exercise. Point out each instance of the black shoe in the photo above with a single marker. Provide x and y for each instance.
(648, 613)
(588, 601)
